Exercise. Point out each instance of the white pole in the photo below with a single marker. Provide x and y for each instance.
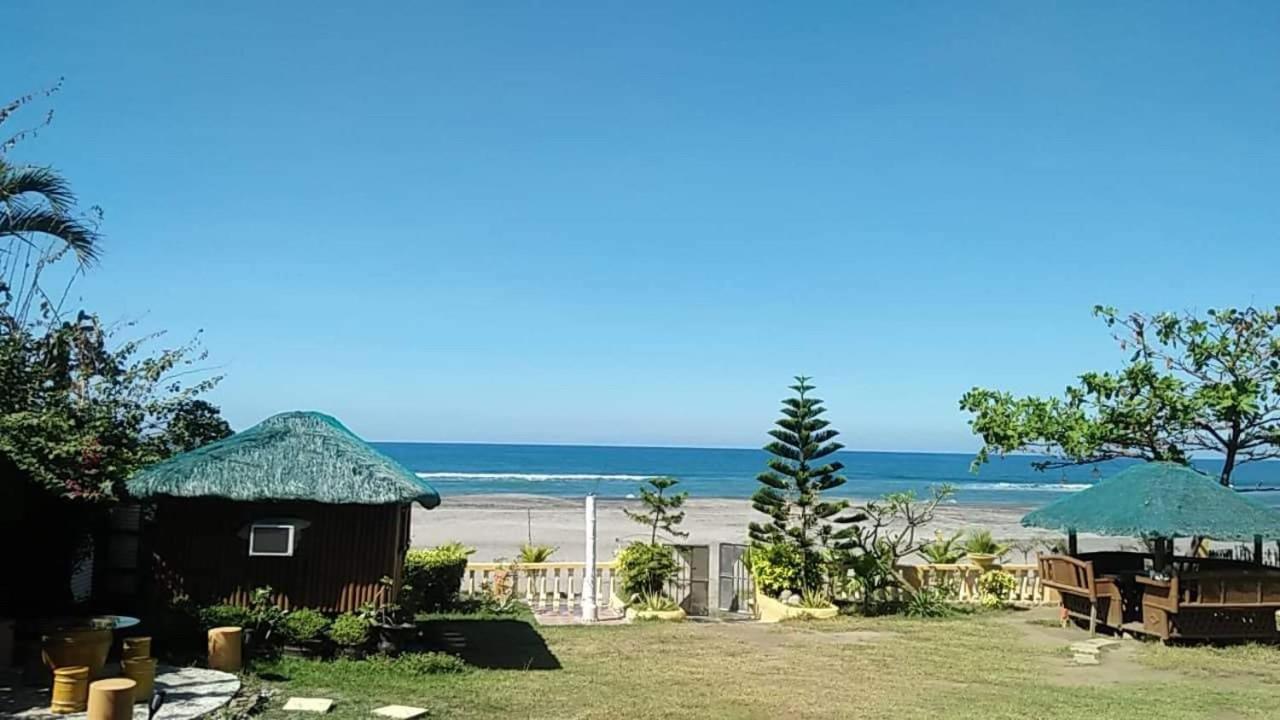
(589, 613)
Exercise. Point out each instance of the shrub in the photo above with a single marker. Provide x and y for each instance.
(980, 542)
(776, 567)
(303, 625)
(655, 601)
(264, 615)
(349, 630)
(928, 603)
(429, 663)
(433, 577)
(814, 599)
(995, 587)
(536, 553)
(224, 615)
(943, 550)
(646, 568)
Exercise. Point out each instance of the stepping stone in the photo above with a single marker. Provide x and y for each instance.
(1102, 643)
(1084, 648)
(1086, 660)
(315, 705)
(400, 712)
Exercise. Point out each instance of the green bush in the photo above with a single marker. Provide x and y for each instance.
(349, 630)
(645, 569)
(776, 567)
(303, 625)
(433, 577)
(429, 663)
(928, 603)
(995, 587)
(224, 615)
(980, 542)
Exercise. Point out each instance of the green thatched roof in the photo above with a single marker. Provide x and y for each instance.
(291, 456)
(1159, 499)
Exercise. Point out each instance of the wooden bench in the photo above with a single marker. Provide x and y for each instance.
(1085, 595)
(1223, 603)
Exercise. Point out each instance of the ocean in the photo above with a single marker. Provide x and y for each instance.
(618, 472)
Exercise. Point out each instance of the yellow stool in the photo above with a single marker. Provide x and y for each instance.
(143, 672)
(136, 647)
(224, 649)
(70, 689)
(111, 699)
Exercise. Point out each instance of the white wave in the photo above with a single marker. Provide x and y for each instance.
(530, 477)
(1061, 487)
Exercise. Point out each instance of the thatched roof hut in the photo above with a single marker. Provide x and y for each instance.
(297, 502)
(306, 456)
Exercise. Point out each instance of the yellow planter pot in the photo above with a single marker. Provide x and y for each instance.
(983, 560)
(69, 648)
(772, 610)
(665, 615)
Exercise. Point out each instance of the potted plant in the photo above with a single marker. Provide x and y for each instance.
(350, 634)
(264, 620)
(655, 606)
(390, 629)
(647, 568)
(776, 570)
(303, 633)
(982, 549)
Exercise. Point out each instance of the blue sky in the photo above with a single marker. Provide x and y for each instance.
(632, 223)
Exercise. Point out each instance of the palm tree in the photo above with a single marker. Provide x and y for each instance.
(38, 201)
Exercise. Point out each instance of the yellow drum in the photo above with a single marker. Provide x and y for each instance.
(111, 699)
(136, 647)
(70, 690)
(143, 672)
(224, 649)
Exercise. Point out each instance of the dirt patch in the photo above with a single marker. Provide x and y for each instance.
(1119, 664)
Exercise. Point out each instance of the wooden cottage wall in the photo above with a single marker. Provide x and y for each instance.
(198, 549)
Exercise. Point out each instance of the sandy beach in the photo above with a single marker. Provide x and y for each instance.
(496, 525)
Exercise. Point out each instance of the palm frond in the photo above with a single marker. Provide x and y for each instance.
(19, 220)
(42, 181)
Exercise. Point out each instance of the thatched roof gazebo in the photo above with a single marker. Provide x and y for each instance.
(297, 502)
(1159, 594)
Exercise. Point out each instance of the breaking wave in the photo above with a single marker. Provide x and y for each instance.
(531, 477)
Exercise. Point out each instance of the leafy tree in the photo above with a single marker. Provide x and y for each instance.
(81, 408)
(889, 531)
(1190, 384)
(647, 567)
(792, 487)
(662, 512)
(194, 423)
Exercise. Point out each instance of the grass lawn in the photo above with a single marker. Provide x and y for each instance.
(1001, 665)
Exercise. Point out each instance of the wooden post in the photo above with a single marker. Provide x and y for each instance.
(111, 699)
(1257, 549)
(589, 611)
(1073, 543)
(224, 649)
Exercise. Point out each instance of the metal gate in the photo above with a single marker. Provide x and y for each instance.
(692, 585)
(737, 591)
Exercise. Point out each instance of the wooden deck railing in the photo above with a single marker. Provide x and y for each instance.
(557, 586)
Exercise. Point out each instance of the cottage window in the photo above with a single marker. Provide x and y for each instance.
(271, 540)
